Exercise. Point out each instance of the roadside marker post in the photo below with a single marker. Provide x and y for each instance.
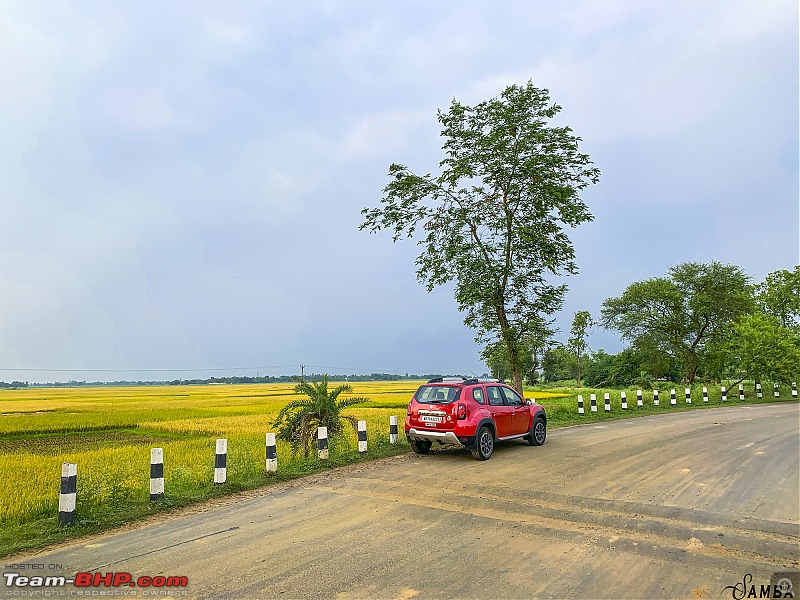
(794, 390)
(741, 392)
(724, 394)
(777, 392)
(68, 494)
(221, 462)
(639, 402)
(322, 443)
(624, 399)
(607, 400)
(672, 400)
(392, 430)
(758, 391)
(156, 474)
(362, 437)
(705, 394)
(580, 404)
(688, 393)
(593, 402)
(272, 453)
(655, 397)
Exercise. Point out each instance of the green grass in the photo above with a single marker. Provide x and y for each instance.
(105, 502)
(562, 412)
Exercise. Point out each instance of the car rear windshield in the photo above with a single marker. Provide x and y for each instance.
(438, 394)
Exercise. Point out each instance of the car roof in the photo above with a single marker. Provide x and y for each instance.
(463, 381)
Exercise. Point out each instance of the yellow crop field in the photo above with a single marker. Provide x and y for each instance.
(108, 433)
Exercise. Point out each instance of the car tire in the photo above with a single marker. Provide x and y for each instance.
(538, 433)
(421, 446)
(484, 444)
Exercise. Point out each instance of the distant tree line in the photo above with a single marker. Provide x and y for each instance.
(231, 380)
(705, 322)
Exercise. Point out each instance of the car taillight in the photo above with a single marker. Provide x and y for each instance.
(462, 411)
(408, 409)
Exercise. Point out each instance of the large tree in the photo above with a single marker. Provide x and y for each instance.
(759, 347)
(683, 313)
(779, 295)
(493, 219)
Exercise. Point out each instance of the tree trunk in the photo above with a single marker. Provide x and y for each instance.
(579, 370)
(692, 368)
(516, 372)
(511, 345)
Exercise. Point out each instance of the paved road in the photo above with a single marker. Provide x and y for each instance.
(677, 505)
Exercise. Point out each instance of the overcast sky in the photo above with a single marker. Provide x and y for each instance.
(181, 183)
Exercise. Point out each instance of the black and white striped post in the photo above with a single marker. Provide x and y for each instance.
(724, 394)
(688, 393)
(705, 394)
(639, 402)
(362, 437)
(68, 493)
(794, 390)
(741, 391)
(156, 474)
(777, 392)
(221, 462)
(392, 430)
(580, 404)
(672, 400)
(607, 400)
(759, 394)
(655, 397)
(272, 453)
(624, 399)
(593, 402)
(322, 443)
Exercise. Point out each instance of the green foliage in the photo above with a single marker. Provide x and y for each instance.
(558, 364)
(760, 348)
(493, 221)
(598, 369)
(297, 422)
(779, 295)
(626, 367)
(581, 324)
(495, 355)
(532, 347)
(682, 314)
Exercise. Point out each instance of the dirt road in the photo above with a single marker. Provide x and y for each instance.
(675, 506)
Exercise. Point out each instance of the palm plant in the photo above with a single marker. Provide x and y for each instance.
(297, 422)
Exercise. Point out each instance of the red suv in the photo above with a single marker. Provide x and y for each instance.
(474, 413)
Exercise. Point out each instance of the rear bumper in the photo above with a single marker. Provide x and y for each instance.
(443, 437)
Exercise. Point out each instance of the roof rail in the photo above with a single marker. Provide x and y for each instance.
(443, 379)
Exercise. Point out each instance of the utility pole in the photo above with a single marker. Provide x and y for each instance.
(302, 371)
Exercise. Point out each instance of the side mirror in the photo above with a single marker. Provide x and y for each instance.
(528, 401)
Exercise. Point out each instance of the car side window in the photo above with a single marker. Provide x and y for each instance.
(495, 396)
(477, 395)
(512, 397)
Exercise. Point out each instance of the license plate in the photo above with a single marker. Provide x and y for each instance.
(430, 419)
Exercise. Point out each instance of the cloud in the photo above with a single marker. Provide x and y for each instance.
(186, 190)
(384, 134)
(137, 110)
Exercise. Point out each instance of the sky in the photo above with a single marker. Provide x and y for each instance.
(182, 183)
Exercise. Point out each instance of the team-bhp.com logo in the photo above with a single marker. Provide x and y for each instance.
(781, 585)
(20, 585)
